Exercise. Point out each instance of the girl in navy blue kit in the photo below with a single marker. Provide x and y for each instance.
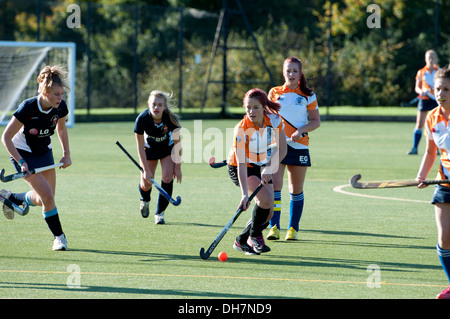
(157, 134)
(28, 139)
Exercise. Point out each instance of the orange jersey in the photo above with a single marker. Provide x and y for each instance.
(294, 111)
(426, 78)
(255, 140)
(437, 130)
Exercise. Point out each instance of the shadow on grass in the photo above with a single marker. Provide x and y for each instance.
(272, 260)
(87, 290)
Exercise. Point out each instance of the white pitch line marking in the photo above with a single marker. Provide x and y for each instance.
(339, 189)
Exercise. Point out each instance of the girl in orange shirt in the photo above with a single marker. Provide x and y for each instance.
(427, 101)
(251, 162)
(439, 137)
(300, 114)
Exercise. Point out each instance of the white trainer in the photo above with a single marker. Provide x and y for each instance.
(60, 243)
(159, 219)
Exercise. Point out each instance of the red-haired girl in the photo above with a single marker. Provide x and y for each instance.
(251, 161)
(300, 114)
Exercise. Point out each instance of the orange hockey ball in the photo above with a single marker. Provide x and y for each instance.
(223, 256)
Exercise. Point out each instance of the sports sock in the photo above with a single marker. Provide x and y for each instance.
(243, 236)
(145, 195)
(259, 217)
(296, 210)
(444, 257)
(416, 138)
(255, 225)
(275, 220)
(20, 198)
(52, 219)
(162, 201)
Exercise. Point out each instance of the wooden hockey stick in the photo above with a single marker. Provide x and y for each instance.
(354, 181)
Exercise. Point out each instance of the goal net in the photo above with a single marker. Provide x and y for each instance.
(20, 64)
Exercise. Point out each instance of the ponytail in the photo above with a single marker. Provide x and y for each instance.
(50, 76)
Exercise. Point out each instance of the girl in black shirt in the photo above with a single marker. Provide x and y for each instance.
(27, 138)
(157, 138)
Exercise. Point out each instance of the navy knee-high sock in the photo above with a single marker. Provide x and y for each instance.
(275, 220)
(296, 210)
(255, 225)
(416, 138)
(444, 257)
(52, 220)
(145, 195)
(162, 201)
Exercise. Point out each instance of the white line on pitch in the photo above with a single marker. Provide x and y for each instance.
(338, 189)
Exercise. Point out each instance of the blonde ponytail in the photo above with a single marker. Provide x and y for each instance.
(50, 76)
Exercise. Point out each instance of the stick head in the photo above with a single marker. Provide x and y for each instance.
(2, 174)
(203, 255)
(212, 160)
(354, 181)
(177, 202)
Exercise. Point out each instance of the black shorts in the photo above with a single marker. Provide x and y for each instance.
(297, 157)
(426, 105)
(441, 195)
(253, 170)
(34, 161)
(156, 153)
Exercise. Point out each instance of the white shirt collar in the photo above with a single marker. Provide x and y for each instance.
(40, 107)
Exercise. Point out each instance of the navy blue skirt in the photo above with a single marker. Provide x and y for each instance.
(297, 157)
(34, 161)
(441, 195)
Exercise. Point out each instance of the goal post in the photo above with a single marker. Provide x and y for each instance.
(20, 64)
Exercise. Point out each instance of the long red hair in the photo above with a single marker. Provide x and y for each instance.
(302, 83)
(261, 96)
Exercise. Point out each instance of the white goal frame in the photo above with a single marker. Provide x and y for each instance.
(71, 64)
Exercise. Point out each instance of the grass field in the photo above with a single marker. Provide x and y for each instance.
(115, 253)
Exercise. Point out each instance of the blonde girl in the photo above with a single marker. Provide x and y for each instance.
(157, 135)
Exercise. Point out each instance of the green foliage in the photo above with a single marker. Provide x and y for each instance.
(368, 66)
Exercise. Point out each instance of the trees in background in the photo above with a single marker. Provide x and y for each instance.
(369, 66)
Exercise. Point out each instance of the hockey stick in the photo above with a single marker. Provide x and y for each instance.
(13, 207)
(9, 178)
(212, 159)
(391, 184)
(158, 187)
(213, 164)
(205, 254)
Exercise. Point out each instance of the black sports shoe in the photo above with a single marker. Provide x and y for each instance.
(258, 244)
(244, 248)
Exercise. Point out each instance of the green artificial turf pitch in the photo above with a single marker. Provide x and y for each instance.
(355, 247)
